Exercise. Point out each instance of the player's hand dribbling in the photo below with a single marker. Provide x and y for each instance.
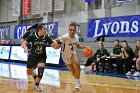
(89, 47)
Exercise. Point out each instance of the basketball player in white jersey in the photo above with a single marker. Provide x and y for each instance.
(70, 42)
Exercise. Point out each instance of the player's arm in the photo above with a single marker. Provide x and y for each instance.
(105, 54)
(123, 53)
(79, 46)
(53, 43)
(23, 39)
(24, 44)
(139, 54)
(58, 40)
(119, 55)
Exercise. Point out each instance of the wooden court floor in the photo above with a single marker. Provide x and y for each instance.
(13, 79)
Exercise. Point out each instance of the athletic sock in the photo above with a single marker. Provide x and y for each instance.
(36, 83)
(77, 80)
(35, 76)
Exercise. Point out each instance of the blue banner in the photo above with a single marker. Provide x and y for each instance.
(52, 27)
(89, 0)
(5, 32)
(123, 0)
(128, 26)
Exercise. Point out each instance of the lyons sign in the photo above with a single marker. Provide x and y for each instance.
(128, 26)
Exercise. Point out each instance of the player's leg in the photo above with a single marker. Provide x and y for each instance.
(41, 67)
(30, 71)
(137, 68)
(67, 60)
(30, 67)
(72, 69)
(138, 64)
(76, 63)
(75, 75)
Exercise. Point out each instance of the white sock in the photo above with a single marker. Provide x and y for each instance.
(77, 80)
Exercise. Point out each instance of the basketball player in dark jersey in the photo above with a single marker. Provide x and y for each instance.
(37, 55)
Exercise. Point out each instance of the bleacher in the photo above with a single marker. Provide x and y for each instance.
(108, 43)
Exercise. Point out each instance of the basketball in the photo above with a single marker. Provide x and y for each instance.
(88, 52)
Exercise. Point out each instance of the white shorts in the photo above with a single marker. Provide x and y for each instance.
(66, 56)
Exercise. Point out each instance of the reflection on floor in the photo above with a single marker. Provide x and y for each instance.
(13, 79)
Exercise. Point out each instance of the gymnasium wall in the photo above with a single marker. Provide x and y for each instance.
(73, 11)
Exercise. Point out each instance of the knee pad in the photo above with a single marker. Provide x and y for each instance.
(40, 72)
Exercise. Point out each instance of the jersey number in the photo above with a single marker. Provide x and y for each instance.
(38, 50)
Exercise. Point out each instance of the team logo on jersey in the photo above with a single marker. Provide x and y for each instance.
(71, 44)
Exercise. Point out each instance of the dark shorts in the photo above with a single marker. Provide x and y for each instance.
(33, 61)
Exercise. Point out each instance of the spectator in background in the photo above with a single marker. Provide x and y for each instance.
(116, 55)
(10, 41)
(3, 42)
(127, 57)
(101, 54)
(137, 58)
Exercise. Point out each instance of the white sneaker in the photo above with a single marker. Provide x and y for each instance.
(37, 88)
(136, 74)
(77, 85)
(128, 73)
(83, 67)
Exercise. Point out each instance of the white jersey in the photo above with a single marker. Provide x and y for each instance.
(69, 44)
